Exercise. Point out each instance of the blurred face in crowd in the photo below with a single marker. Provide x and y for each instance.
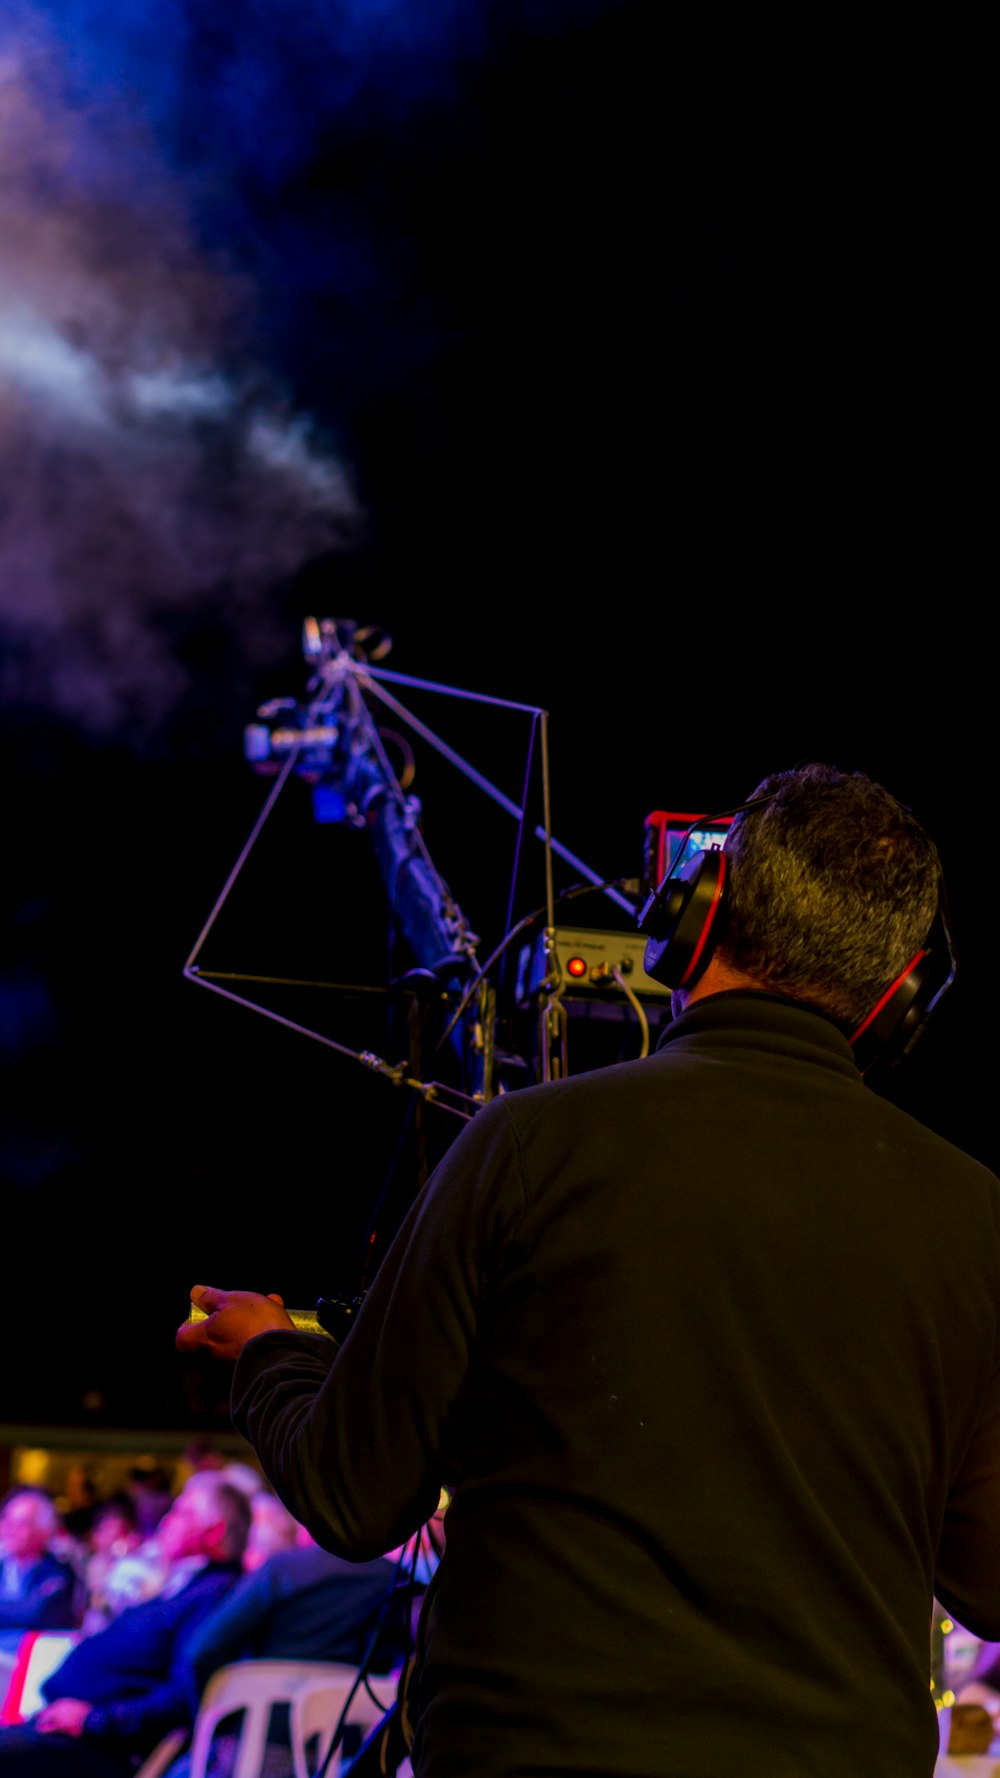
(194, 1525)
(112, 1532)
(26, 1527)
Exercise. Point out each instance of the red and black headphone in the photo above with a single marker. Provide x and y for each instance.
(680, 921)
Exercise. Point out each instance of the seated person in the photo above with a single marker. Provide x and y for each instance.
(122, 1689)
(303, 1604)
(299, 1604)
(38, 1590)
(141, 1568)
(114, 1536)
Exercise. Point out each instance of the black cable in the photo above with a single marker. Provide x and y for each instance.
(363, 1675)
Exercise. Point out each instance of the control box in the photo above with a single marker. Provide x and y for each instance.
(588, 958)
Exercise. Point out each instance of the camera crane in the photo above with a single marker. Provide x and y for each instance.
(332, 739)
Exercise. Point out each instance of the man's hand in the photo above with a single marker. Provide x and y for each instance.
(231, 1318)
(65, 1716)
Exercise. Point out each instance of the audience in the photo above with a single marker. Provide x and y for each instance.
(120, 1690)
(38, 1589)
(298, 1603)
(141, 1567)
(113, 1540)
(226, 1574)
(303, 1604)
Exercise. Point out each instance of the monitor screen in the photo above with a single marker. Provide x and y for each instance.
(673, 837)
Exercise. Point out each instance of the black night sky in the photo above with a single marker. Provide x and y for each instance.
(610, 367)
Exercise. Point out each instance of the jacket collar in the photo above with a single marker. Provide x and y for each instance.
(750, 1017)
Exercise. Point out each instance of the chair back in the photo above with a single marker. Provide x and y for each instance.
(316, 1710)
(250, 1690)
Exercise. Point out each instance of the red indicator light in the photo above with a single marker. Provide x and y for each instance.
(576, 966)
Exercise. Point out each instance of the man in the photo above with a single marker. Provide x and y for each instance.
(38, 1590)
(120, 1690)
(299, 1604)
(714, 1380)
(304, 1604)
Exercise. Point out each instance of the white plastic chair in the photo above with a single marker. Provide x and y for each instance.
(251, 1689)
(316, 1709)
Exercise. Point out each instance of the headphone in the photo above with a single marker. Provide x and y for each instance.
(680, 922)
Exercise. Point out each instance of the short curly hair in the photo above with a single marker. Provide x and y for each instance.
(832, 887)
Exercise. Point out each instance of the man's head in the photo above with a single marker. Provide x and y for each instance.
(831, 889)
(28, 1524)
(208, 1518)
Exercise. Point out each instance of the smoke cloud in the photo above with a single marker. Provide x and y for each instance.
(176, 288)
(150, 466)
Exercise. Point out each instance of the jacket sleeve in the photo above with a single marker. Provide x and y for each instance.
(967, 1576)
(356, 1439)
(49, 1602)
(140, 1722)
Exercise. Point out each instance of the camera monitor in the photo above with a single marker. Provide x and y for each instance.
(671, 838)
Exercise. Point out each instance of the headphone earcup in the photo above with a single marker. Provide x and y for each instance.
(678, 921)
(894, 1024)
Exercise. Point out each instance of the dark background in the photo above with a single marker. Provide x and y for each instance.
(653, 360)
